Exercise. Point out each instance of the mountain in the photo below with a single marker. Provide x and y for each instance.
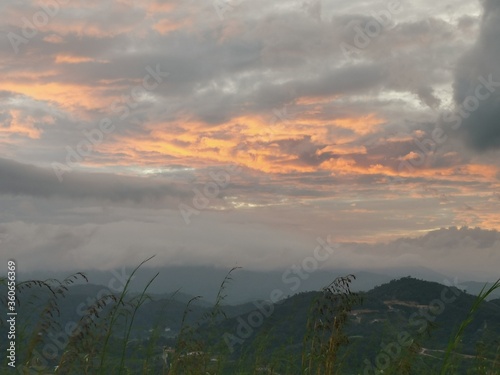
(246, 285)
(474, 287)
(426, 313)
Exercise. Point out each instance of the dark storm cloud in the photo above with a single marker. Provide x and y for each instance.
(481, 128)
(22, 179)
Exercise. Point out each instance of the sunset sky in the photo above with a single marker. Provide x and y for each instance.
(371, 124)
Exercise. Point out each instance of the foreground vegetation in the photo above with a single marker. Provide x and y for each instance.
(403, 327)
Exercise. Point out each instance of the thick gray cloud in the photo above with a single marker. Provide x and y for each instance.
(240, 240)
(463, 252)
(347, 126)
(482, 127)
(22, 179)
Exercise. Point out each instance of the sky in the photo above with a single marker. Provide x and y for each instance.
(236, 133)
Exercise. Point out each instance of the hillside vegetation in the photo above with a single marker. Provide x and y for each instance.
(406, 326)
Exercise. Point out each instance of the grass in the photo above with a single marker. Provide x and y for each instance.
(101, 341)
(448, 365)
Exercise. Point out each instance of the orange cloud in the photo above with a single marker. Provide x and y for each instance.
(155, 7)
(66, 95)
(69, 59)
(361, 125)
(24, 125)
(247, 140)
(166, 26)
(53, 38)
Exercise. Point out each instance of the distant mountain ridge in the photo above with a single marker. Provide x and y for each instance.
(248, 286)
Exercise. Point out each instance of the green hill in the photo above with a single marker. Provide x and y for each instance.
(410, 318)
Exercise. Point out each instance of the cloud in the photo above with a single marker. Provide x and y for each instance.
(463, 252)
(307, 152)
(241, 240)
(269, 88)
(22, 179)
(125, 237)
(481, 128)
